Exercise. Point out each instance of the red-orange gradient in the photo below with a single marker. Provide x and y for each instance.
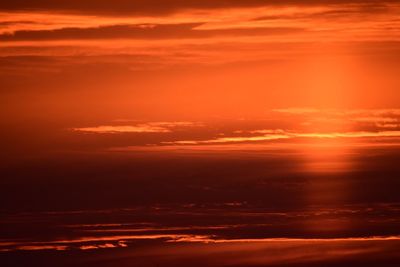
(150, 129)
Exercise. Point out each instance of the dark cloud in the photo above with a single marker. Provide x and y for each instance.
(141, 31)
(157, 7)
(115, 31)
(16, 22)
(245, 254)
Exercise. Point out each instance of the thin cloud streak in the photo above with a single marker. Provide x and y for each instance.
(120, 241)
(123, 129)
(151, 127)
(289, 135)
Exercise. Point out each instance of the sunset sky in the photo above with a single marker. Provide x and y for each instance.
(160, 128)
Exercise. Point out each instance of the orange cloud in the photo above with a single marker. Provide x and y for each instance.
(124, 129)
(121, 241)
(288, 135)
(151, 127)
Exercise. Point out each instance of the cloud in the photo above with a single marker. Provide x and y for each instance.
(372, 119)
(150, 127)
(310, 123)
(283, 127)
(141, 128)
(232, 139)
(159, 7)
(38, 247)
(358, 112)
(141, 31)
(104, 242)
(85, 243)
(225, 18)
(280, 135)
(317, 240)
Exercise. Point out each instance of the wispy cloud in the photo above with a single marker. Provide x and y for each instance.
(108, 242)
(310, 123)
(85, 243)
(124, 129)
(289, 135)
(150, 127)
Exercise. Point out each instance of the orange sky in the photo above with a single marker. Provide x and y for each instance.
(193, 130)
(183, 59)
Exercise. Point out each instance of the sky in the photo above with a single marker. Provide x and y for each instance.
(137, 129)
(196, 58)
